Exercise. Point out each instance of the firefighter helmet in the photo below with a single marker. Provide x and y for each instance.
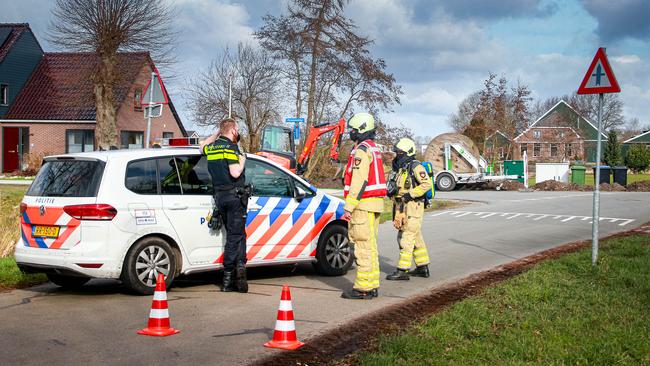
(406, 145)
(362, 122)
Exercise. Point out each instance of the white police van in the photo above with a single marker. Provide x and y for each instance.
(130, 214)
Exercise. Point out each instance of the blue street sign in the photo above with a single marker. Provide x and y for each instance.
(294, 120)
(296, 132)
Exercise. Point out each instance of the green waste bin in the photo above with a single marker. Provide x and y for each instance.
(578, 174)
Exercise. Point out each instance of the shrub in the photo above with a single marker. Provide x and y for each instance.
(638, 158)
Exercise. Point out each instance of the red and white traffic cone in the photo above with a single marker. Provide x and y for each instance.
(284, 336)
(159, 316)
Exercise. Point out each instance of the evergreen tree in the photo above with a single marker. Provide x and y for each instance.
(612, 153)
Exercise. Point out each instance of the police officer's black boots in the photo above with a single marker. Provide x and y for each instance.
(228, 281)
(399, 275)
(421, 271)
(360, 295)
(242, 284)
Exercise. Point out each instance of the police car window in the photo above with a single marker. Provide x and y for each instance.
(67, 178)
(141, 177)
(267, 180)
(169, 182)
(194, 174)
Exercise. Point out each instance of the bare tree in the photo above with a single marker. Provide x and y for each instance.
(106, 27)
(329, 65)
(255, 91)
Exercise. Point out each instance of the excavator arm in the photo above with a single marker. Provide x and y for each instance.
(315, 133)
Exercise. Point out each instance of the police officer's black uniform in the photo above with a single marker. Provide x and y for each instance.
(231, 198)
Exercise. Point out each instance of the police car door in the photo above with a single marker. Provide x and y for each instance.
(186, 189)
(276, 220)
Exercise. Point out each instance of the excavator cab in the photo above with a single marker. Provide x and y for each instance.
(278, 146)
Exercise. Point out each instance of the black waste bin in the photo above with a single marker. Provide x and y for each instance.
(605, 174)
(620, 175)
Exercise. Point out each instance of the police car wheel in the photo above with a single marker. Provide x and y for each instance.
(445, 182)
(334, 254)
(67, 281)
(144, 261)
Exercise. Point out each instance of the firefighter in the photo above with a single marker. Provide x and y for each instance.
(364, 191)
(226, 166)
(407, 187)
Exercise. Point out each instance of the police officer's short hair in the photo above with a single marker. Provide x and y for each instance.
(226, 124)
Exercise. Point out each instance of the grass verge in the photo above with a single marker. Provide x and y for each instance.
(12, 277)
(10, 197)
(562, 311)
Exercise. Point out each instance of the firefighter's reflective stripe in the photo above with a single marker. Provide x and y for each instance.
(421, 256)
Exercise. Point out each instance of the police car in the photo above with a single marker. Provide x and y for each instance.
(130, 214)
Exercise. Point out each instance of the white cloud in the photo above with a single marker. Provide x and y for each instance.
(627, 59)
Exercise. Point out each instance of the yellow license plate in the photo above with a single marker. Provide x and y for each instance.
(46, 231)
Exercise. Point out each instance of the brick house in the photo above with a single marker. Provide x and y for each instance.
(54, 112)
(561, 134)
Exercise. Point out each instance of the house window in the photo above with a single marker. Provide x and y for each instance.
(168, 135)
(553, 150)
(524, 149)
(537, 150)
(79, 141)
(132, 139)
(569, 150)
(501, 152)
(561, 134)
(137, 99)
(4, 94)
(537, 134)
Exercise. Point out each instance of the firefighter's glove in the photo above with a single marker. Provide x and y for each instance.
(399, 221)
(407, 198)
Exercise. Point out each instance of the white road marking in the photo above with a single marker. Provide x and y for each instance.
(552, 197)
(528, 215)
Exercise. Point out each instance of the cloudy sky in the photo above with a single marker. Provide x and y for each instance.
(439, 51)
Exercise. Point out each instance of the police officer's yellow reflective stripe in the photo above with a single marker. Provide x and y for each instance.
(219, 156)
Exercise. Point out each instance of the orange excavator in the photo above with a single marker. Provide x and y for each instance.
(278, 145)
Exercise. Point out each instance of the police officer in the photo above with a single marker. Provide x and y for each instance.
(226, 166)
(407, 187)
(364, 191)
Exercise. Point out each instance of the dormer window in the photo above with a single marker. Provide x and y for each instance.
(137, 99)
(537, 134)
(4, 94)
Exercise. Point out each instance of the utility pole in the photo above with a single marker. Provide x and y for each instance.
(146, 141)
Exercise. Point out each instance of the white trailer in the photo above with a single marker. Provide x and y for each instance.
(447, 179)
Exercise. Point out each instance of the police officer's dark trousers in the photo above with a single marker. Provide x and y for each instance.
(233, 210)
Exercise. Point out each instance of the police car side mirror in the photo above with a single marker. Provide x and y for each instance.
(299, 194)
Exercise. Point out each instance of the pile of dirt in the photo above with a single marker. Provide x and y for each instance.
(612, 187)
(552, 185)
(642, 186)
(435, 152)
(503, 185)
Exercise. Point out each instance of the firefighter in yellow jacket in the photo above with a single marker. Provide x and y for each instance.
(407, 187)
(364, 191)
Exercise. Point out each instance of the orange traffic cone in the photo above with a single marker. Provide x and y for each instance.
(159, 316)
(284, 336)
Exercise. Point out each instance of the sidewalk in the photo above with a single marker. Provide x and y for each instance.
(17, 182)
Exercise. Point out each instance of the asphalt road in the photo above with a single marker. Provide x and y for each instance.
(47, 325)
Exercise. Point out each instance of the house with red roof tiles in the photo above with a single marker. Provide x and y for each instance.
(47, 104)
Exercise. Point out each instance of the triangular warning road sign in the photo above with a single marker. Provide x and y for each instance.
(600, 77)
(158, 90)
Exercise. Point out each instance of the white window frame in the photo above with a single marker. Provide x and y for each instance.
(4, 94)
(537, 152)
(537, 134)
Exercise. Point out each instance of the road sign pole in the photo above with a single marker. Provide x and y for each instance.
(146, 141)
(596, 213)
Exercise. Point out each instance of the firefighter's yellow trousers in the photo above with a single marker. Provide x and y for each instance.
(363, 234)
